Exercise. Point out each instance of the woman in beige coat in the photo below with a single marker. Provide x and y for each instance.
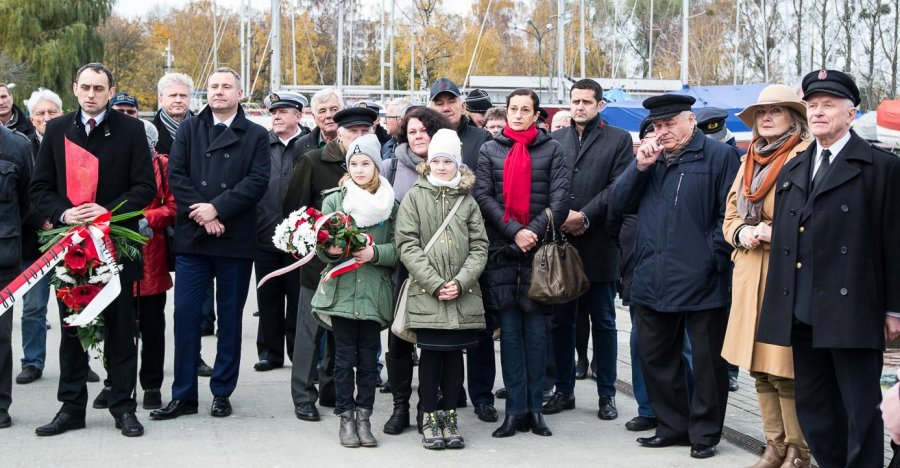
(780, 133)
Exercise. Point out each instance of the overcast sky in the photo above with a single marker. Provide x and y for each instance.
(134, 8)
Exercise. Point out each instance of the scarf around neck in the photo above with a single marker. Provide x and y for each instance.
(517, 175)
(368, 209)
(452, 183)
(761, 168)
(170, 123)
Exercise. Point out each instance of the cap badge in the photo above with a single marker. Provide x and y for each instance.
(823, 74)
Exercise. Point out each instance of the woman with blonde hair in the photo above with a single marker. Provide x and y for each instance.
(780, 133)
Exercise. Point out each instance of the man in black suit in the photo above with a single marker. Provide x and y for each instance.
(218, 172)
(597, 154)
(124, 175)
(832, 290)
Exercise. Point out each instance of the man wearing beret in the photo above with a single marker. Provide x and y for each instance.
(677, 186)
(218, 172)
(317, 171)
(277, 299)
(832, 291)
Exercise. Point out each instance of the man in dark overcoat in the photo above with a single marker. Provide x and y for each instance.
(218, 172)
(832, 291)
(597, 153)
(677, 187)
(124, 174)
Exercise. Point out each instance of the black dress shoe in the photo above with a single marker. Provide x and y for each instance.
(203, 369)
(511, 425)
(29, 374)
(539, 426)
(559, 403)
(733, 385)
(174, 409)
(641, 423)
(5, 420)
(703, 451)
(152, 399)
(385, 387)
(62, 422)
(265, 365)
(129, 425)
(608, 410)
(102, 400)
(546, 395)
(581, 369)
(220, 407)
(486, 412)
(306, 411)
(92, 377)
(500, 393)
(659, 441)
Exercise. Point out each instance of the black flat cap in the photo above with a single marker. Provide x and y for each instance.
(353, 116)
(833, 82)
(667, 105)
(478, 101)
(286, 99)
(645, 128)
(711, 121)
(443, 85)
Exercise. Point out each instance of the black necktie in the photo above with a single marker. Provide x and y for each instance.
(823, 168)
(93, 124)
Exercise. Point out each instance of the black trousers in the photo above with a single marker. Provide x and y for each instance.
(440, 370)
(701, 415)
(6, 360)
(307, 354)
(838, 398)
(121, 358)
(278, 300)
(152, 321)
(481, 364)
(355, 346)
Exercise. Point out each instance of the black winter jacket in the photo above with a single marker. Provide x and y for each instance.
(15, 175)
(472, 138)
(507, 276)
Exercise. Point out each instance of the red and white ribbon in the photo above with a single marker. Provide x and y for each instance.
(98, 232)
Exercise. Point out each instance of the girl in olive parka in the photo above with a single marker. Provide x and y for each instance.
(443, 303)
(357, 305)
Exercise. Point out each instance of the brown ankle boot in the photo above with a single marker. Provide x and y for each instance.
(796, 458)
(770, 458)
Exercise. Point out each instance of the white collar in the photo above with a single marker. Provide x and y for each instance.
(99, 118)
(835, 147)
(285, 142)
(227, 121)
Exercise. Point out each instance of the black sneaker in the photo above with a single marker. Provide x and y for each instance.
(29, 374)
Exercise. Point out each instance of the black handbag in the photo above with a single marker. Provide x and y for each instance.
(557, 273)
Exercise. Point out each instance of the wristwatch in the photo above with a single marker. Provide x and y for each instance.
(584, 219)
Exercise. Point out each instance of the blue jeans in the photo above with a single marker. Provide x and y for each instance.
(523, 356)
(600, 302)
(194, 273)
(34, 323)
(637, 376)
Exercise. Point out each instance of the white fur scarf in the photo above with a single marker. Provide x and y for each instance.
(368, 209)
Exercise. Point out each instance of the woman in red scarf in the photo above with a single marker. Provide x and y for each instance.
(778, 120)
(520, 174)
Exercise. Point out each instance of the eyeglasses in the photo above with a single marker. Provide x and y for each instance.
(128, 111)
(50, 113)
(393, 117)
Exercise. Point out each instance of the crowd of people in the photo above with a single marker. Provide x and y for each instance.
(780, 260)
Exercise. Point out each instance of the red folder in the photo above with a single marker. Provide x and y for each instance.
(81, 174)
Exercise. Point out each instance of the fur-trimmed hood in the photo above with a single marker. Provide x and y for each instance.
(466, 181)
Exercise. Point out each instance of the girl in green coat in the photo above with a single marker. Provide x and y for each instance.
(443, 303)
(357, 305)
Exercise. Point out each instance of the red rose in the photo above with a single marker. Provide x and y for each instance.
(65, 294)
(313, 213)
(322, 236)
(78, 260)
(84, 294)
